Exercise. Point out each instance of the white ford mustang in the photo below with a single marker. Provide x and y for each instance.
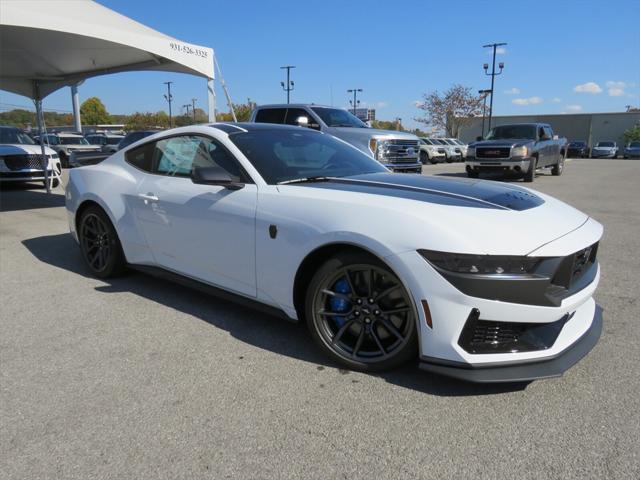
(482, 281)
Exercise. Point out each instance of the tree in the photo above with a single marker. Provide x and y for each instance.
(387, 125)
(242, 111)
(632, 134)
(145, 120)
(451, 110)
(93, 112)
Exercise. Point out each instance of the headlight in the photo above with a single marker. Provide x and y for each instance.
(372, 146)
(480, 264)
(520, 151)
(471, 152)
(378, 148)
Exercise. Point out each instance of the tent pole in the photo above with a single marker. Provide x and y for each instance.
(44, 161)
(224, 88)
(211, 100)
(75, 100)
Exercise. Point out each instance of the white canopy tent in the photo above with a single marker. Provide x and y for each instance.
(49, 44)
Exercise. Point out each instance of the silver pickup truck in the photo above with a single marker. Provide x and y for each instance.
(398, 151)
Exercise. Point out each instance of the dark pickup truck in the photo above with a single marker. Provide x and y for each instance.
(518, 148)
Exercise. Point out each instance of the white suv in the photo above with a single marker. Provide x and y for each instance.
(431, 151)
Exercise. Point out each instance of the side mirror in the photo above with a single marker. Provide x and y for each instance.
(214, 176)
(302, 121)
(479, 139)
(556, 137)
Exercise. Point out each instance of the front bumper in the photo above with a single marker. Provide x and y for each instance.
(24, 176)
(404, 167)
(521, 371)
(603, 155)
(517, 165)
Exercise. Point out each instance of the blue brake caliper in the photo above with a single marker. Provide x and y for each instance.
(340, 305)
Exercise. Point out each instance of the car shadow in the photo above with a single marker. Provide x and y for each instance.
(23, 196)
(245, 324)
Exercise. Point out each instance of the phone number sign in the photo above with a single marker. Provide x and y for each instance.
(189, 50)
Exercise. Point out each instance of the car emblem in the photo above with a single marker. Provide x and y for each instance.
(410, 151)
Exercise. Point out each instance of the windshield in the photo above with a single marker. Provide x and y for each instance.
(449, 141)
(437, 141)
(113, 140)
(604, 144)
(72, 141)
(289, 154)
(336, 117)
(634, 145)
(10, 135)
(512, 132)
(426, 141)
(577, 144)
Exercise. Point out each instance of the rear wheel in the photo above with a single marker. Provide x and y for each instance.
(100, 244)
(64, 160)
(360, 314)
(558, 167)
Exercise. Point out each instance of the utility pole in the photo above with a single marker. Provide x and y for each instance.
(187, 106)
(398, 123)
(288, 87)
(355, 101)
(168, 97)
(493, 74)
(193, 108)
(484, 94)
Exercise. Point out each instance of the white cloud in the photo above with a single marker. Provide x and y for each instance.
(589, 87)
(556, 100)
(417, 103)
(573, 108)
(381, 104)
(616, 89)
(526, 101)
(512, 91)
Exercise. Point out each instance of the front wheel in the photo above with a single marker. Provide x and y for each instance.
(557, 169)
(424, 158)
(360, 314)
(531, 173)
(473, 173)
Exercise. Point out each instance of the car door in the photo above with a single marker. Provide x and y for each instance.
(543, 146)
(206, 232)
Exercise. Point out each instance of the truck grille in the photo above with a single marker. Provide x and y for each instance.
(23, 162)
(493, 152)
(402, 151)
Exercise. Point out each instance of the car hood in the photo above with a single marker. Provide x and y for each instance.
(374, 132)
(20, 149)
(79, 146)
(408, 211)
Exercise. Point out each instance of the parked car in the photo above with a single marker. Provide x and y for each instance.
(519, 148)
(64, 144)
(605, 150)
(108, 141)
(21, 159)
(398, 151)
(302, 224)
(463, 146)
(578, 149)
(458, 152)
(449, 150)
(632, 150)
(133, 137)
(431, 152)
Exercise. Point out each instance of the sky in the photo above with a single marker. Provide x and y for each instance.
(561, 56)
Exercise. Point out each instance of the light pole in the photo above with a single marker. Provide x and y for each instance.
(289, 85)
(484, 94)
(168, 97)
(355, 102)
(193, 109)
(187, 106)
(493, 74)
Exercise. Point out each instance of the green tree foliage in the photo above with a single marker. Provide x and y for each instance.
(387, 125)
(631, 134)
(24, 118)
(450, 110)
(242, 110)
(145, 120)
(93, 112)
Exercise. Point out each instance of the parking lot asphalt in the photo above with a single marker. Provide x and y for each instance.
(140, 378)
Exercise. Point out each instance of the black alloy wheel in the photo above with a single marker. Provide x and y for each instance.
(359, 313)
(99, 244)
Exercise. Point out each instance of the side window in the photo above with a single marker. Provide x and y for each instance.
(294, 113)
(548, 132)
(141, 157)
(271, 115)
(177, 156)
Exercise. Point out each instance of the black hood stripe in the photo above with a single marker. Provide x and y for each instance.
(443, 191)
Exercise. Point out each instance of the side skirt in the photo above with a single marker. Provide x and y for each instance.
(217, 292)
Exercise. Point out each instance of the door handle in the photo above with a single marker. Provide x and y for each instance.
(148, 197)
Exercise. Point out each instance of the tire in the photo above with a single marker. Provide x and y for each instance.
(531, 173)
(54, 183)
(448, 159)
(364, 338)
(424, 158)
(558, 168)
(100, 244)
(473, 174)
(64, 160)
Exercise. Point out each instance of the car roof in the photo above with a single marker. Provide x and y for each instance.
(9, 127)
(237, 127)
(295, 105)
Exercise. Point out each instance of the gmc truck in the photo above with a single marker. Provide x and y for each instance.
(518, 148)
(398, 151)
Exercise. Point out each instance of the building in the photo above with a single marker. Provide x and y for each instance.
(589, 127)
(365, 114)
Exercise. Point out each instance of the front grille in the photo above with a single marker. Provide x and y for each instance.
(441, 150)
(23, 162)
(402, 151)
(574, 266)
(486, 336)
(493, 152)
